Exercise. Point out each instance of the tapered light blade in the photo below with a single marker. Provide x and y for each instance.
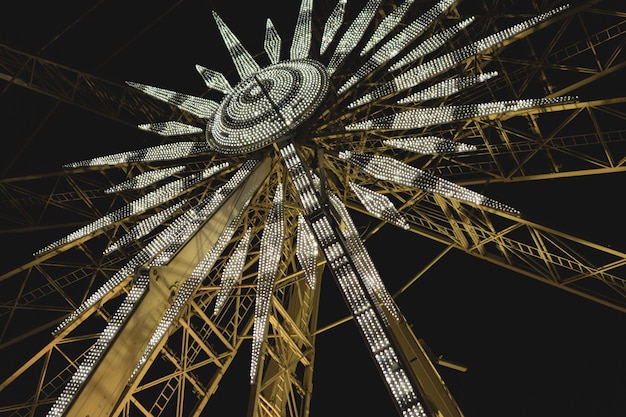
(214, 80)
(429, 145)
(197, 106)
(171, 128)
(232, 271)
(244, 62)
(301, 43)
(272, 42)
(307, 251)
(333, 23)
(145, 179)
(379, 205)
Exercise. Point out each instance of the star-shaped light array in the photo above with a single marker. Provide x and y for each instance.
(274, 112)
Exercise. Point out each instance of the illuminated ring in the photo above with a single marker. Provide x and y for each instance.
(268, 106)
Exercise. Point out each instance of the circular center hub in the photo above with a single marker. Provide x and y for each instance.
(268, 106)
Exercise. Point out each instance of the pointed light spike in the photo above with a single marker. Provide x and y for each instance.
(167, 242)
(388, 169)
(301, 43)
(379, 206)
(214, 80)
(145, 179)
(447, 88)
(392, 47)
(431, 116)
(307, 251)
(353, 35)
(272, 42)
(93, 356)
(244, 63)
(195, 105)
(431, 44)
(269, 259)
(188, 288)
(387, 25)
(362, 261)
(148, 201)
(232, 271)
(333, 23)
(165, 152)
(429, 145)
(144, 227)
(427, 70)
(171, 128)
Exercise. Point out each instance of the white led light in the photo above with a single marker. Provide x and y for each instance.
(332, 25)
(145, 179)
(232, 271)
(165, 152)
(379, 205)
(244, 63)
(429, 145)
(389, 169)
(387, 25)
(214, 80)
(447, 88)
(272, 42)
(198, 106)
(269, 259)
(301, 43)
(170, 128)
(307, 251)
(353, 35)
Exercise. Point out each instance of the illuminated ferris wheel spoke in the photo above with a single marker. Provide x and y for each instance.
(431, 44)
(333, 22)
(170, 128)
(272, 42)
(399, 42)
(307, 251)
(164, 152)
(379, 205)
(352, 35)
(429, 145)
(144, 227)
(145, 179)
(389, 23)
(244, 62)
(214, 80)
(197, 106)
(436, 66)
(269, 258)
(232, 271)
(447, 88)
(301, 43)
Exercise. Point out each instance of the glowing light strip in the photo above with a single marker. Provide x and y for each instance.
(95, 352)
(352, 288)
(299, 175)
(198, 106)
(431, 44)
(244, 63)
(389, 169)
(269, 259)
(447, 88)
(333, 23)
(390, 49)
(307, 251)
(170, 128)
(272, 42)
(353, 35)
(387, 25)
(379, 205)
(214, 80)
(429, 145)
(159, 196)
(420, 73)
(362, 261)
(144, 227)
(232, 271)
(163, 152)
(160, 249)
(431, 116)
(187, 290)
(145, 179)
(301, 43)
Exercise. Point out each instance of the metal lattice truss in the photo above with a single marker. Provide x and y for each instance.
(564, 55)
